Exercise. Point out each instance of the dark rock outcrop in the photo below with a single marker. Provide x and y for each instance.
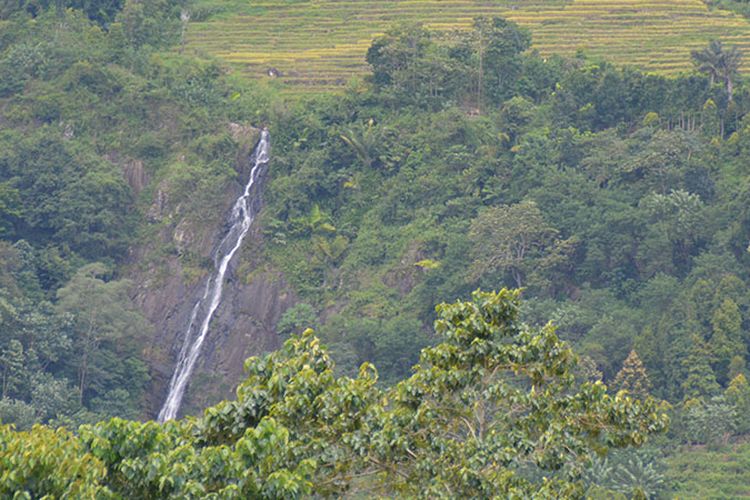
(245, 322)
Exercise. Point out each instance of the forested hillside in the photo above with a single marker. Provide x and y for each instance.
(615, 201)
(94, 124)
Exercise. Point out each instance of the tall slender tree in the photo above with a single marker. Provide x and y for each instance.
(700, 380)
(719, 64)
(633, 377)
(726, 339)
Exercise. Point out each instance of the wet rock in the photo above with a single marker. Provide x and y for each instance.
(67, 130)
(158, 208)
(135, 175)
(244, 326)
(183, 236)
(169, 283)
(405, 276)
(246, 136)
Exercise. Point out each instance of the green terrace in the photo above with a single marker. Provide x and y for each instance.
(319, 45)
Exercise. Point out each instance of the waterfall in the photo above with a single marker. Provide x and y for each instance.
(240, 219)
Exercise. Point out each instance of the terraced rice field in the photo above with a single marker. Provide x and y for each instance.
(318, 45)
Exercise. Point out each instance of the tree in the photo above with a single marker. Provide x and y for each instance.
(47, 463)
(13, 411)
(726, 339)
(12, 365)
(497, 403)
(632, 377)
(10, 203)
(738, 393)
(106, 321)
(711, 421)
(499, 45)
(53, 397)
(367, 141)
(101, 11)
(297, 319)
(401, 66)
(718, 64)
(633, 473)
(493, 410)
(677, 222)
(700, 380)
(153, 23)
(507, 237)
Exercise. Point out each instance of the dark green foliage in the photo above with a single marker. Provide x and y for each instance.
(631, 473)
(297, 319)
(411, 64)
(14, 375)
(67, 196)
(90, 117)
(618, 199)
(720, 64)
(107, 329)
(701, 379)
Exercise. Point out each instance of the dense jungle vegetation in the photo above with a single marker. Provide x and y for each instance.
(617, 201)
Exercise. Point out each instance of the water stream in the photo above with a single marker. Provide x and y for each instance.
(239, 222)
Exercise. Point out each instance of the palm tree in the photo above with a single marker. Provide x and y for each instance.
(364, 140)
(718, 64)
(730, 68)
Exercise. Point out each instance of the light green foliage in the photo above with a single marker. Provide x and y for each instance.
(153, 461)
(493, 399)
(632, 377)
(510, 239)
(710, 421)
(738, 394)
(726, 339)
(700, 473)
(44, 463)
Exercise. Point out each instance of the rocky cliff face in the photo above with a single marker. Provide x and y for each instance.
(252, 302)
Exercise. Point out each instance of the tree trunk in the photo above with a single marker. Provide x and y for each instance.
(730, 87)
(517, 277)
(480, 86)
(82, 377)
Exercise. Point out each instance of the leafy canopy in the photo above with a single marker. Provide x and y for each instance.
(492, 410)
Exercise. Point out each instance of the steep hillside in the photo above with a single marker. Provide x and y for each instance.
(615, 201)
(118, 166)
(318, 45)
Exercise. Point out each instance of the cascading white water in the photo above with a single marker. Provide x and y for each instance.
(239, 223)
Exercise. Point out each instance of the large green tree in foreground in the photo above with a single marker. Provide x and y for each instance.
(493, 410)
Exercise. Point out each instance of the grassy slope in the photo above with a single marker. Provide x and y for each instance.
(320, 44)
(705, 474)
